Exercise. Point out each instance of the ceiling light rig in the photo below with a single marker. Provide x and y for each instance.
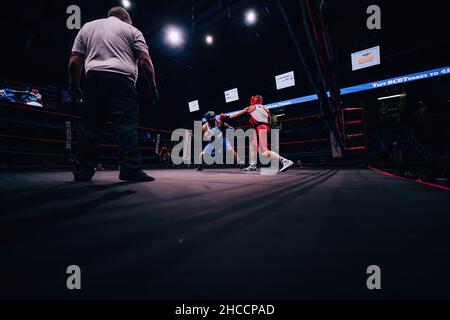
(126, 4)
(209, 39)
(174, 36)
(251, 17)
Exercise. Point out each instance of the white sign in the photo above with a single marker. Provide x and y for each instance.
(285, 80)
(194, 106)
(366, 58)
(231, 95)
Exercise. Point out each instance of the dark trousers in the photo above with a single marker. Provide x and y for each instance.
(108, 94)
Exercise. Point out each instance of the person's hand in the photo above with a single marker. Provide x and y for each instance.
(75, 92)
(154, 95)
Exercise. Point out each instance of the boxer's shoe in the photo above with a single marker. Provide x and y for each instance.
(82, 178)
(286, 165)
(140, 176)
(251, 167)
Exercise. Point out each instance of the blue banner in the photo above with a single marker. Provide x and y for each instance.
(367, 86)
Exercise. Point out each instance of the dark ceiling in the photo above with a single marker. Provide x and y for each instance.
(36, 46)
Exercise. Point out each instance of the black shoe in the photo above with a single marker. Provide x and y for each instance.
(82, 177)
(136, 177)
(199, 169)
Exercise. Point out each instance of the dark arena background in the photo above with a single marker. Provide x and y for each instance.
(360, 96)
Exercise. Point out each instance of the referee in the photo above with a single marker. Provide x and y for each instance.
(111, 51)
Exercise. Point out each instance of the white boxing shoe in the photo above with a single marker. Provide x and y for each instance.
(251, 167)
(286, 165)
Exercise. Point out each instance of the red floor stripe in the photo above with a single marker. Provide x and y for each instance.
(410, 180)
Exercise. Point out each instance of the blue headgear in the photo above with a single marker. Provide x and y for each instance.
(210, 115)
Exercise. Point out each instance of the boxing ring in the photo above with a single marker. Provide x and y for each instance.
(308, 233)
(54, 137)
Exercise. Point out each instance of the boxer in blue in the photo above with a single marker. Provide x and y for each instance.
(215, 129)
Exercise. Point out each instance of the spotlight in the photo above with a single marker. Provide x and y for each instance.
(174, 36)
(126, 4)
(209, 39)
(251, 17)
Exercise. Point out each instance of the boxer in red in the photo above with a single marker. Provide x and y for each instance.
(260, 120)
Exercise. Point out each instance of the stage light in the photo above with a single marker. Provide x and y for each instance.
(209, 39)
(126, 4)
(251, 17)
(174, 36)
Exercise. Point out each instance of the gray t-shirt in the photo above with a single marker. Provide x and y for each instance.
(111, 45)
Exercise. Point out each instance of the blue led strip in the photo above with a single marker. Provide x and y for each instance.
(368, 86)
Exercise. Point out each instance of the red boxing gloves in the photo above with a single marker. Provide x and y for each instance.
(223, 117)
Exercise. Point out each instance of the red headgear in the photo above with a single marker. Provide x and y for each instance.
(256, 100)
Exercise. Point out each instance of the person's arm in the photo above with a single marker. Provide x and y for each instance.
(76, 66)
(270, 116)
(223, 124)
(146, 64)
(205, 132)
(140, 48)
(240, 113)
